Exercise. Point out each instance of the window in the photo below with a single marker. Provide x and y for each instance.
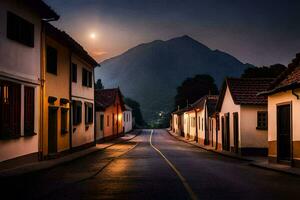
(193, 122)
(51, 60)
(10, 109)
(101, 122)
(86, 78)
(28, 111)
(74, 72)
(262, 120)
(107, 120)
(64, 120)
(20, 30)
(88, 113)
(77, 112)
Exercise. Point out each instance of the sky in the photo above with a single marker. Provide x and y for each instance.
(260, 32)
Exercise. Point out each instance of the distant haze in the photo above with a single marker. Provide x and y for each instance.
(261, 32)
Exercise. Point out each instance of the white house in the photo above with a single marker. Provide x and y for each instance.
(283, 116)
(82, 96)
(127, 119)
(205, 123)
(243, 115)
(20, 74)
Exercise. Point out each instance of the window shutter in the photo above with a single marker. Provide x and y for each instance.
(28, 111)
(74, 72)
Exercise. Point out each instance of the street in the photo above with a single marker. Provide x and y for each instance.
(170, 169)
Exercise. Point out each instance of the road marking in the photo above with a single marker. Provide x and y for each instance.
(182, 179)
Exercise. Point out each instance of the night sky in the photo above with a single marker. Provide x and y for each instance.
(260, 32)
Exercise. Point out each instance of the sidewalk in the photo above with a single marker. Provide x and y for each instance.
(210, 148)
(260, 162)
(46, 164)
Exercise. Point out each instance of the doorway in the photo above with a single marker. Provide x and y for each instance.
(236, 132)
(226, 132)
(52, 130)
(284, 132)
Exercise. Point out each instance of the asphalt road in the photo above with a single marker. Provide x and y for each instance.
(170, 169)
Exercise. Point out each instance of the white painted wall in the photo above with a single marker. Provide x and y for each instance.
(249, 135)
(77, 89)
(201, 129)
(21, 64)
(229, 106)
(17, 60)
(82, 135)
(279, 98)
(186, 124)
(190, 126)
(127, 124)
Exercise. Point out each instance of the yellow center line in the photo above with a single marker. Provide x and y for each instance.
(182, 179)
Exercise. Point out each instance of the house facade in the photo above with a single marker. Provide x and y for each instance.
(82, 96)
(127, 119)
(20, 75)
(68, 111)
(205, 122)
(243, 115)
(283, 115)
(178, 122)
(110, 103)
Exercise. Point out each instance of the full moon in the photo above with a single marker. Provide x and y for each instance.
(93, 35)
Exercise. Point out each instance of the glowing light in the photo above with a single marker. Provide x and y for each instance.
(120, 117)
(93, 35)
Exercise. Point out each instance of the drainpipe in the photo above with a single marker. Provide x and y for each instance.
(70, 103)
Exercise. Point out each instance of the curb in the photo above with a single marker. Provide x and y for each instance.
(29, 168)
(211, 150)
(274, 169)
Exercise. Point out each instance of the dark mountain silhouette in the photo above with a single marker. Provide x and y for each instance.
(151, 72)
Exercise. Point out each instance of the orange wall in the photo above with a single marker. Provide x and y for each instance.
(109, 130)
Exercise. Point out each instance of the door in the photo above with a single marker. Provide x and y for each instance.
(52, 130)
(226, 132)
(223, 132)
(284, 132)
(236, 132)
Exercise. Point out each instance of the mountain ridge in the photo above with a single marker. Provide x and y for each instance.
(151, 72)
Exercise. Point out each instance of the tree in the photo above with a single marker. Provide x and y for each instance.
(264, 72)
(99, 85)
(136, 111)
(194, 88)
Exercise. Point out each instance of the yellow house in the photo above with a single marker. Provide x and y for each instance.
(283, 116)
(56, 94)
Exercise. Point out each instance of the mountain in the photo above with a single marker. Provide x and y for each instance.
(150, 73)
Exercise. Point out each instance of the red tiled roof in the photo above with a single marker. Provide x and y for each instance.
(211, 102)
(67, 40)
(289, 79)
(244, 90)
(107, 97)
